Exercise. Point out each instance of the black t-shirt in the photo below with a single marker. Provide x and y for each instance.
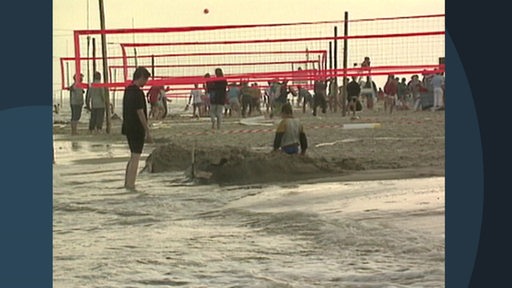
(319, 88)
(218, 88)
(133, 100)
(353, 89)
(283, 94)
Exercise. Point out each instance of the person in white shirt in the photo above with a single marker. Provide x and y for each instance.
(195, 98)
(438, 87)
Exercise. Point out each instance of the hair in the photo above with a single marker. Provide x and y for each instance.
(218, 72)
(141, 72)
(81, 76)
(287, 109)
(97, 75)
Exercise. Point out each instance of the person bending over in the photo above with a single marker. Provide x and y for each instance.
(290, 133)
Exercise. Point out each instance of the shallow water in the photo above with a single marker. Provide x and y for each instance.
(174, 233)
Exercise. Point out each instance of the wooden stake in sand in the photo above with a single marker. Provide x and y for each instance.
(193, 162)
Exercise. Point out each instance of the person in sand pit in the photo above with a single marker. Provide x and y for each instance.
(290, 133)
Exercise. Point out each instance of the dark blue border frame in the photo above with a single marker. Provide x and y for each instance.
(478, 244)
(26, 145)
(464, 183)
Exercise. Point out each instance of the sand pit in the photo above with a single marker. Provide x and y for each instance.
(234, 165)
(406, 144)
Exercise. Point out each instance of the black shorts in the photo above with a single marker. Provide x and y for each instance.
(135, 142)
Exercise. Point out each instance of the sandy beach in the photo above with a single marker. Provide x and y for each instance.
(326, 224)
(404, 144)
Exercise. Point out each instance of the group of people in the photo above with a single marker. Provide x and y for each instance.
(402, 94)
(398, 94)
(289, 137)
(95, 103)
(241, 100)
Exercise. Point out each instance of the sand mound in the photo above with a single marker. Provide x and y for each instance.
(235, 165)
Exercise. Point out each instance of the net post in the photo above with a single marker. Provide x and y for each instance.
(335, 68)
(345, 59)
(105, 64)
(77, 56)
(94, 54)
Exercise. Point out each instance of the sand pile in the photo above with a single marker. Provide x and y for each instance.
(235, 165)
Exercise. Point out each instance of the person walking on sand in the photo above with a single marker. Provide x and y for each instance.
(353, 92)
(438, 87)
(414, 87)
(217, 98)
(76, 101)
(154, 96)
(390, 90)
(319, 97)
(195, 98)
(95, 102)
(290, 133)
(234, 95)
(135, 123)
(304, 97)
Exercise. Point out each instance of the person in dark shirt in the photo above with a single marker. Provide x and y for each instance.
(305, 98)
(135, 123)
(319, 98)
(353, 91)
(217, 91)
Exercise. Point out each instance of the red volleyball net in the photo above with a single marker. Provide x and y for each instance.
(178, 57)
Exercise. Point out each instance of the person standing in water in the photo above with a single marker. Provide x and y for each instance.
(76, 101)
(135, 123)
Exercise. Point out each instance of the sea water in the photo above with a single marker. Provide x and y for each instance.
(171, 232)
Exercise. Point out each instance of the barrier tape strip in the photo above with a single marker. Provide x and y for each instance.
(269, 130)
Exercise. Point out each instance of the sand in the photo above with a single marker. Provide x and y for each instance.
(405, 144)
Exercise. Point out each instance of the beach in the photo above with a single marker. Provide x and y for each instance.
(378, 145)
(366, 208)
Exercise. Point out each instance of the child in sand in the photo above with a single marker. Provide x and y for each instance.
(290, 133)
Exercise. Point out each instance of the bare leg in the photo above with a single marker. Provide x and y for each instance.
(213, 112)
(74, 127)
(131, 171)
(219, 119)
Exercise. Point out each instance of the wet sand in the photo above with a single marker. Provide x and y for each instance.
(405, 144)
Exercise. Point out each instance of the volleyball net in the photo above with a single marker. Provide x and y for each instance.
(300, 52)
